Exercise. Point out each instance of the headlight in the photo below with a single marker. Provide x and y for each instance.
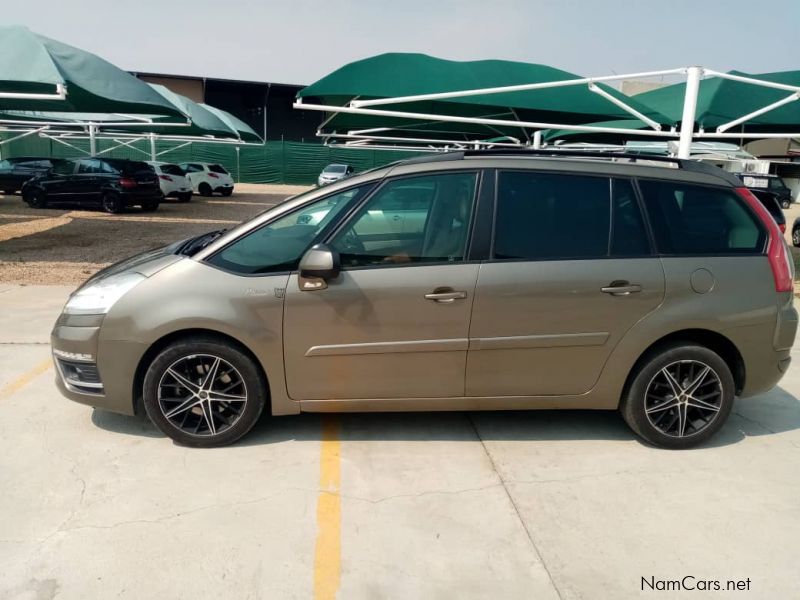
(99, 297)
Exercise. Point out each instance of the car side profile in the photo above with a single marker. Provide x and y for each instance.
(770, 183)
(208, 178)
(109, 183)
(675, 297)
(172, 180)
(14, 172)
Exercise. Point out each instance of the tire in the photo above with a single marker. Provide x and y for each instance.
(185, 197)
(36, 198)
(649, 389)
(796, 237)
(150, 206)
(786, 204)
(227, 192)
(112, 203)
(175, 408)
(205, 190)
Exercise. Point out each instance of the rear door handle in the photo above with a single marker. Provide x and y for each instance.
(621, 288)
(445, 296)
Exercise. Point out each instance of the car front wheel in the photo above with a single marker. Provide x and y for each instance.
(796, 237)
(112, 203)
(679, 396)
(202, 392)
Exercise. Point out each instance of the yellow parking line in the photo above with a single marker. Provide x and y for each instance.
(23, 380)
(328, 553)
(25, 228)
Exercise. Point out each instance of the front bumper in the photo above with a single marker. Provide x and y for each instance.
(110, 365)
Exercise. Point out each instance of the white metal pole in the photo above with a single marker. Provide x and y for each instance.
(693, 75)
(238, 172)
(153, 154)
(537, 139)
(92, 140)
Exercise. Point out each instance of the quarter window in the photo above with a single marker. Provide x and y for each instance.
(691, 219)
(279, 245)
(410, 220)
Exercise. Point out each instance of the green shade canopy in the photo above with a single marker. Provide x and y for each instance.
(203, 121)
(721, 100)
(33, 64)
(398, 74)
(600, 137)
(245, 132)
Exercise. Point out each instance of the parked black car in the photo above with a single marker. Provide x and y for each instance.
(796, 233)
(772, 203)
(770, 183)
(113, 184)
(14, 172)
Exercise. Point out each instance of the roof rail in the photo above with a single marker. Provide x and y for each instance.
(681, 163)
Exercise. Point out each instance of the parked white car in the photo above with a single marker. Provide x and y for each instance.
(208, 178)
(173, 181)
(334, 172)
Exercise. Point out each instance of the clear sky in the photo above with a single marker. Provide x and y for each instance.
(299, 41)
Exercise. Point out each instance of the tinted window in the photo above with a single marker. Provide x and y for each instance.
(217, 169)
(689, 219)
(335, 169)
(4, 164)
(89, 166)
(410, 220)
(66, 167)
(280, 245)
(628, 234)
(171, 170)
(545, 216)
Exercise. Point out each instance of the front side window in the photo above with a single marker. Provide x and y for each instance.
(693, 219)
(279, 245)
(66, 167)
(411, 220)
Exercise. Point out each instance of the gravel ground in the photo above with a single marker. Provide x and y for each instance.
(65, 245)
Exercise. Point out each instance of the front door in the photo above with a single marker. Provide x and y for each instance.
(571, 271)
(395, 323)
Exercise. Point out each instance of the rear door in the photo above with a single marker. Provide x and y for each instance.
(571, 269)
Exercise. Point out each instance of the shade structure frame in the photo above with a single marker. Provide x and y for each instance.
(650, 128)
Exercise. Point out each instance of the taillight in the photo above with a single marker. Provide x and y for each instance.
(777, 252)
(127, 182)
(783, 227)
(214, 175)
(165, 177)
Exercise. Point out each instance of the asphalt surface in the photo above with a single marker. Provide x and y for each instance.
(458, 505)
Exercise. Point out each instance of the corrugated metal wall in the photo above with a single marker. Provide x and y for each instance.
(274, 162)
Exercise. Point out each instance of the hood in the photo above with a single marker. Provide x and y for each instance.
(146, 263)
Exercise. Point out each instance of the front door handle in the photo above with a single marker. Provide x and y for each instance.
(621, 288)
(445, 295)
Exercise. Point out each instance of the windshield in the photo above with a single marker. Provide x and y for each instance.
(217, 169)
(776, 183)
(335, 169)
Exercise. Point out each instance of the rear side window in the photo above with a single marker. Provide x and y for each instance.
(543, 216)
(691, 219)
(217, 169)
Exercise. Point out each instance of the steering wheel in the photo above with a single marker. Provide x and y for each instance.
(351, 243)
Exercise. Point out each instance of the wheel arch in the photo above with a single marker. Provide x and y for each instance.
(167, 339)
(712, 340)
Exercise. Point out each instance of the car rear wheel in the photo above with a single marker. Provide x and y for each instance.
(205, 190)
(796, 237)
(149, 206)
(112, 203)
(185, 197)
(679, 396)
(202, 392)
(36, 198)
(786, 203)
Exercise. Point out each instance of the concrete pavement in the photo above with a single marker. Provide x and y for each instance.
(480, 505)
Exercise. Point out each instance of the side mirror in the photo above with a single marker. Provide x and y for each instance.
(319, 265)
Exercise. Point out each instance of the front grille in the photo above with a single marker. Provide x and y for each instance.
(80, 376)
